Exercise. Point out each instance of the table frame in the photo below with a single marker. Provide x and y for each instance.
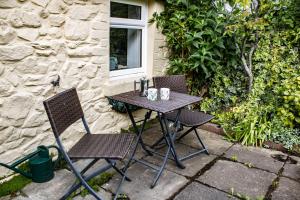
(168, 135)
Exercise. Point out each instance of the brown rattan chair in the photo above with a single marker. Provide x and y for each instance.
(187, 118)
(63, 110)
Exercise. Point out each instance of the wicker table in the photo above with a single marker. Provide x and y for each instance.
(161, 107)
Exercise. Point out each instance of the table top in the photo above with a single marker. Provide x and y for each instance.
(176, 101)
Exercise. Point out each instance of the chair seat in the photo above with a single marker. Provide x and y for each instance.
(190, 118)
(111, 146)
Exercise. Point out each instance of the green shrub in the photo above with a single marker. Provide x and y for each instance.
(286, 136)
(212, 47)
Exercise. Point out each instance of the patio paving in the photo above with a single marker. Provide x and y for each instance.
(270, 175)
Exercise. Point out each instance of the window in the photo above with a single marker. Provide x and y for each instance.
(127, 37)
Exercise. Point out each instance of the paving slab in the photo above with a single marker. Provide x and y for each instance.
(287, 190)
(214, 143)
(192, 165)
(142, 177)
(258, 157)
(150, 136)
(53, 189)
(227, 176)
(102, 193)
(197, 191)
(292, 169)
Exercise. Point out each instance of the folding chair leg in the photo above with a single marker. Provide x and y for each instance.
(77, 174)
(184, 134)
(89, 166)
(113, 165)
(201, 141)
(138, 141)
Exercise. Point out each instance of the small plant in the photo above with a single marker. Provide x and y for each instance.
(97, 181)
(250, 165)
(234, 158)
(123, 197)
(14, 185)
(275, 184)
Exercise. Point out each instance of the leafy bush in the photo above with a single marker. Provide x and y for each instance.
(248, 59)
(286, 136)
(195, 37)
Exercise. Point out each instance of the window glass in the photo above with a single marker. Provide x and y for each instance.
(125, 48)
(122, 10)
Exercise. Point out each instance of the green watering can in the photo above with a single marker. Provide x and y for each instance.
(41, 166)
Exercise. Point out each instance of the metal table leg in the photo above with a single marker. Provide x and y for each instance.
(170, 138)
(137, 130)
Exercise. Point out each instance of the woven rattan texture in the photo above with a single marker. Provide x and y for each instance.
(176, 101)
(190, 118)
(63, 110)
(176, 83)
(113, 146)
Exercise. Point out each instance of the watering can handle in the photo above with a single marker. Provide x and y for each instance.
(59, 156)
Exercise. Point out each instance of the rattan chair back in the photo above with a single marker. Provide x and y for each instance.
(176, 83)
(63, 110)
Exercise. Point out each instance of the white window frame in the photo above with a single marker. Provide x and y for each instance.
(133, 24)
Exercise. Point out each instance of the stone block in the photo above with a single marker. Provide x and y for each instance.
(99, 59)
(4, 13)
(31, 65)
(142, 177)
(55, 32)
(76, 29)
(97, 1)
(292, 169)
(29, 132)
(9, 4)
(31, 20)
(197, 191)
(53, 189)
(7, 34)
(14, 144)
(99, 51)
(287, 190)
(57, 7)
(29, 34)
(90, 70)
(44, 14)
(2, 69)
(12, 78)
(257, 157)
(6, 133)
(35, 119)
(20, 18)
(83, 12)
(16, 52)
(6, 89)
(41, 3)
(80, 52)
(230, 176)
(56, 20)
(100, 25)
(17, 106)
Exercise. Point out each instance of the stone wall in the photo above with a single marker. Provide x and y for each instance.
(160, 57)
(39, 40)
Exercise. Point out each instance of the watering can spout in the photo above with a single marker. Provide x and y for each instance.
(41, 166)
